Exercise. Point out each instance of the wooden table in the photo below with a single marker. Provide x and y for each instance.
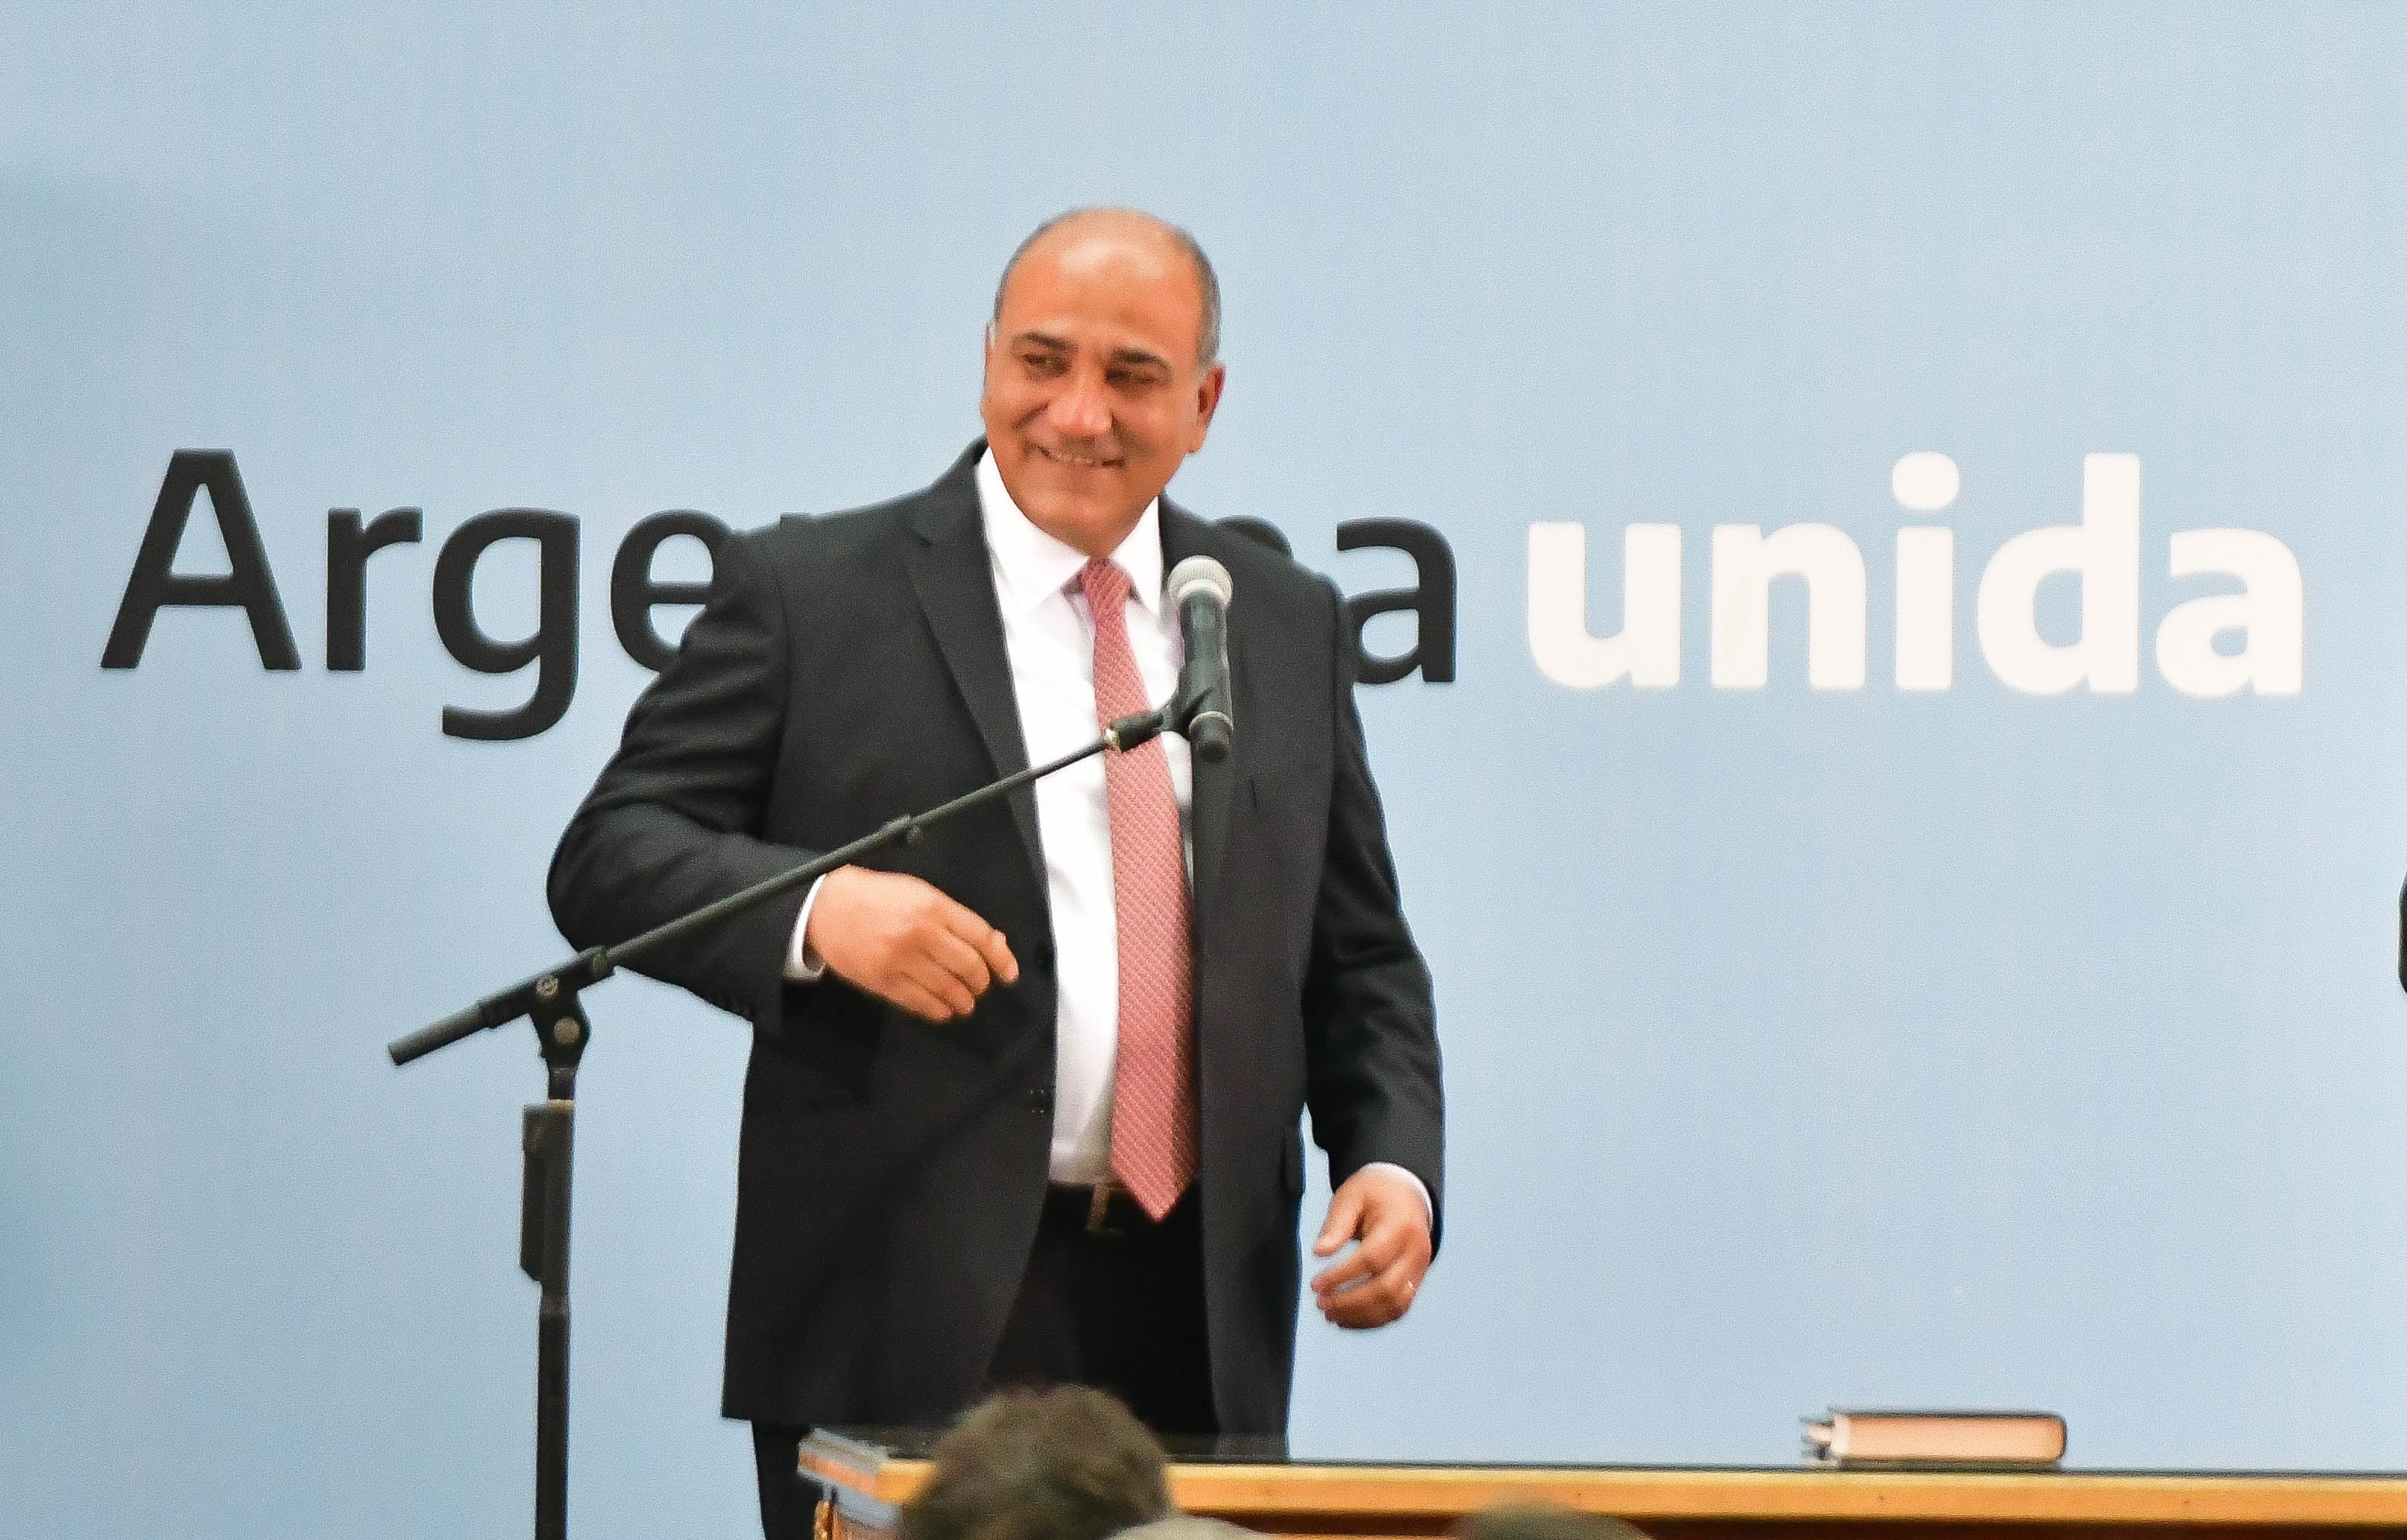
(868, 1485)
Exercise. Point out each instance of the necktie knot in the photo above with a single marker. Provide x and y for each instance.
(1105, 586)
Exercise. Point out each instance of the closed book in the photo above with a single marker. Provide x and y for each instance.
(1937, 1438)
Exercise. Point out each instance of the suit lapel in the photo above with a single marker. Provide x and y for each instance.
(1214, 786)
(954, 580)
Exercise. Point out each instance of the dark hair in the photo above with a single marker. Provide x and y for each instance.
(1544, 1521)
(1208, 333)
(1070, 1464)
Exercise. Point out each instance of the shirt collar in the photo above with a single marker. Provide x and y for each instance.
(1030, 566)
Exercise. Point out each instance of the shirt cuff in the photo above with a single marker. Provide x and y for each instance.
(806, 967)
(1429, 1209)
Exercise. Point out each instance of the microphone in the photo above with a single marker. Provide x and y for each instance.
(1198, 591)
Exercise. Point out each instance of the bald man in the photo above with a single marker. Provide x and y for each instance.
(1024, 1099)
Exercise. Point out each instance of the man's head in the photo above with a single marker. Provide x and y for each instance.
(1102, 369)
(1062, 1464)
(1537, 1521)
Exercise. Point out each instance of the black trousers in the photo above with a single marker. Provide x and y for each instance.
(789, 1500)
(1109, 1299)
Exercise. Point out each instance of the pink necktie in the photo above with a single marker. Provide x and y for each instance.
(1153, 1088)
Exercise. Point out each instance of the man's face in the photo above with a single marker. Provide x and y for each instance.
(1093, 394)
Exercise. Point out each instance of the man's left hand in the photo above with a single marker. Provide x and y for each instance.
(1386, 1216)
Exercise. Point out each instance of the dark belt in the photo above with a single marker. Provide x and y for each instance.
(1105, 1208)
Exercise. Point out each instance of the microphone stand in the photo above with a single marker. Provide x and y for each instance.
(550, 1000)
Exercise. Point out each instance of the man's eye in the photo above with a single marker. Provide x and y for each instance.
(1042, 363)
(1134, 379)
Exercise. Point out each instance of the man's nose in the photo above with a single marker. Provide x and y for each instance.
(1083, 408)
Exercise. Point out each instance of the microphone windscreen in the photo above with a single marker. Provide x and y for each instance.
(1198, 572)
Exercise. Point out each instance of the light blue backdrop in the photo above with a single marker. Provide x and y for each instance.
(1803, 1047)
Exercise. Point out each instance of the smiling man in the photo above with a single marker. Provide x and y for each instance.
(1024, 1101)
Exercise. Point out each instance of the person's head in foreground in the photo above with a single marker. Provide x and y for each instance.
(1537, 1521)
(1189, 1526)
(1070, 1464)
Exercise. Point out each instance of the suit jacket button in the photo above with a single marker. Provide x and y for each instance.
(1040, 1100)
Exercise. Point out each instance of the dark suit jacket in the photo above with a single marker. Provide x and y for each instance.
(850, 668)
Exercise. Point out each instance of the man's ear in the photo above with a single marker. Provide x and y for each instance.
(1207, 401)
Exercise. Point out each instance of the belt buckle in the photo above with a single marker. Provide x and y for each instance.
(1099, 1210)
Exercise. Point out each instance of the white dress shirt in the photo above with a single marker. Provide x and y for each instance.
(1049, 635)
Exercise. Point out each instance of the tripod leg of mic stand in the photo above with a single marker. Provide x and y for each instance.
(543, 1254)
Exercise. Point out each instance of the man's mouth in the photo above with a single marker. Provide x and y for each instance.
(1083, 462)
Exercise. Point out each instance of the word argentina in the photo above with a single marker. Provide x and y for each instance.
(550, 647)
(2262, 622)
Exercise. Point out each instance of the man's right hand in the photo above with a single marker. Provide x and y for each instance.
(902, 941)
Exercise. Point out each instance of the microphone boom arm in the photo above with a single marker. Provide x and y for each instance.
(595, 964)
